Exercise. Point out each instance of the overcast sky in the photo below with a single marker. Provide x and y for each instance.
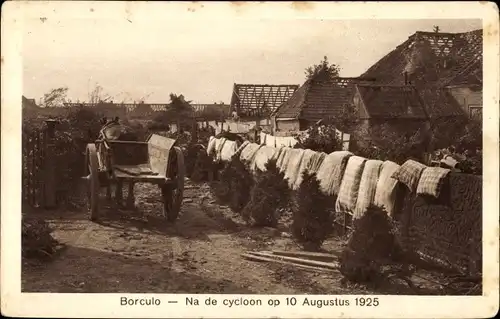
(201, 59)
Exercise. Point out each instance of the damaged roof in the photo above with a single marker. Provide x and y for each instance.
(316, 100)
(437, 58)
(254, 96)
(433, 62)
(390, 102)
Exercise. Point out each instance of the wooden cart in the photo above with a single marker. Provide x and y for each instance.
(115, 162)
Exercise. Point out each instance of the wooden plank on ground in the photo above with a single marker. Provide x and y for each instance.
(305, 267)
(307, 262)
(305, 254)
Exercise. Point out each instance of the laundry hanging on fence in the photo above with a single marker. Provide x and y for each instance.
(331, 171)
(286, 141)
(367, 187)
(248, 153)
(409, 174)
(263, 155)
(431, 181)
(307, 156)
(348, 193)
(386, 191)
(270, 140)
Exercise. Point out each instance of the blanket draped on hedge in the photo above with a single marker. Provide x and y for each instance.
(211, 146)
(248, 153)
(228, 149)
(219, 144)
(307, 156)
(367, 187)
(315, 162)
(242, 146)
(348, 193)
(432, 181)
(385, 193)
(263, 155)
(289, 162)
(409, 174)
(331, 171)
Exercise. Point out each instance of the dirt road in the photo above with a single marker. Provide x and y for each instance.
(138, 252)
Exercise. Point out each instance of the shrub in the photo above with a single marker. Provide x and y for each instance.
(320, 139)
(312, 221)
(234, 184)
(268, 195)
(203, 166)
(37, 240)
(371, 246)
(387, 143)
(191, 154)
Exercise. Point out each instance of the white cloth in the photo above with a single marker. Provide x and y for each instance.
(367, 187)
(263, 155)
(348, 193)
(331, 171)
(386, 191)
(307, 156)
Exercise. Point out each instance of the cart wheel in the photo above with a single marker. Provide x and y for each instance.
(173, 193)
(91, 170)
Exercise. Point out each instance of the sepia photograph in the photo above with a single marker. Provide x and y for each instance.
(252, 156)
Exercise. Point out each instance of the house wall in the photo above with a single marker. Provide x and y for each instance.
(470, 100)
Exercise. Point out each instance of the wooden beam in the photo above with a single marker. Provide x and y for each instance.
(283, 262)
(301, 261)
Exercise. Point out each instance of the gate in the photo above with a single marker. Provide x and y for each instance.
(33, 162)
(38, 174)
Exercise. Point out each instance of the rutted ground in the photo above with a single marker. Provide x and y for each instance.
(138, 252)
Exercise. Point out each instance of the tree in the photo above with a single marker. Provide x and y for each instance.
(320, 139)
(179, 109)
(387, 143)
(312, 222)
(347, 120)
(55, 98)
(267, 196)
(323, 71)
(97, 95)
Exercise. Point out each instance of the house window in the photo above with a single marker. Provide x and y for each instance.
(476, 112)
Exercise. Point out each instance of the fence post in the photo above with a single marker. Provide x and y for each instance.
(50, 166)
